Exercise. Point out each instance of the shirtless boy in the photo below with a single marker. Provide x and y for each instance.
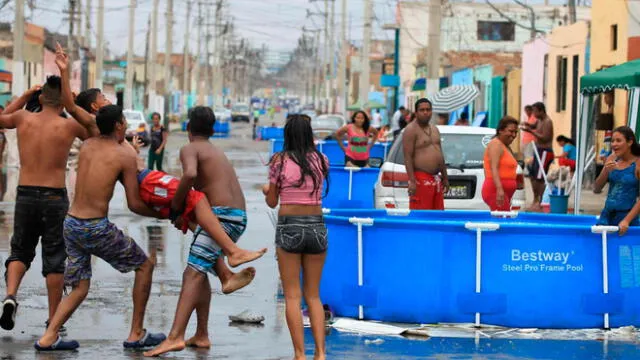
(44, 140)
(87, 231)
(207, 169)
(424, 160)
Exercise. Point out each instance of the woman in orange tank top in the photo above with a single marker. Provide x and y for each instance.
(500, 167)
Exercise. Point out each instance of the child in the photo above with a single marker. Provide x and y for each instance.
(208, 169)
(568, 156)
(296, 178)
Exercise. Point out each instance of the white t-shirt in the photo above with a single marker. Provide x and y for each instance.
(376, 120)
(395, 120)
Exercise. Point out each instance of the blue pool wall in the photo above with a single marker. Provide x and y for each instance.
(271, 133)
(362, 184)
(332, 150)
(420, 268)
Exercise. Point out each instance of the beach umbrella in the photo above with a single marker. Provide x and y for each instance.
(453, 98)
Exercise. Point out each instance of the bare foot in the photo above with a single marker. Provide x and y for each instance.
(244, 256)
(239, 280)
(165, 346)
(199, 342)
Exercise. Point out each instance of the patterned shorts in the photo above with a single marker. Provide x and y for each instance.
(99, 237)
(204, 250)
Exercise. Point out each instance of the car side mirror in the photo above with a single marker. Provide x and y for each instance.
(375, 162)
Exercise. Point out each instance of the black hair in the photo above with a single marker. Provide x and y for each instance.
(86, 98)
(52, 91)
(33, 103)
(528, 107)
(565, 140)
(107, 117)
(540, 106)
(299, 146)
(505, 122)
(402, 108)
(629, 136)
(367, 122)
(422, 101)
(201, 121)
(464, 115)
(156, 113)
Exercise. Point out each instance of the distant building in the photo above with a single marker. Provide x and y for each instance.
(274, 61)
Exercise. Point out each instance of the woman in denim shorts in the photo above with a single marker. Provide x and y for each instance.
(296, 178)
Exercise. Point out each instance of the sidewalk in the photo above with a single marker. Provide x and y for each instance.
(591, 203)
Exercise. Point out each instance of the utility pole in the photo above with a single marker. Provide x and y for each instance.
(72, 19)
(208, 84)
(146, 62)
(572, 11)
(153, 69)
(325, 63)
(17, 87)
(128, 91)
(198, 84)
(332, 57)
(216, 52)
(167, 61)
(364, 55)
(87, 25)
(317, 72)
(433, 56)
(342, 72)
(100, 45)
(186, 59)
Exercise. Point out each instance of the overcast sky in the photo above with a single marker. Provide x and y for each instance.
(276, 23)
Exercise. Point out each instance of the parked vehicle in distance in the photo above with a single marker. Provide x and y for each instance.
(240, 112)
(222, 114)
(463, 148)
(325, 126)
(135, 120)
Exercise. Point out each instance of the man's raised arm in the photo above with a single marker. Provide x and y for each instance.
(85, 119)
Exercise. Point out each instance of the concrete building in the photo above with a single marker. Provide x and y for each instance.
(473, 26)
(534, 73)
(615, 39)
(566, 64)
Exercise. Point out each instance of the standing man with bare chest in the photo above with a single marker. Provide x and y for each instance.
(424, 160)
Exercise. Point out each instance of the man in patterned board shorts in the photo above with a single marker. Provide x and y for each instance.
(87, 230)
(206, 167)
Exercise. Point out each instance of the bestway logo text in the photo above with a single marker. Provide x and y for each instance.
(540, 256)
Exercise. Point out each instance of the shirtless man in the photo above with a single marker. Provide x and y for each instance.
(44, 140)
(207, 169)
(423, 158)
(102, 162)
(543, 133)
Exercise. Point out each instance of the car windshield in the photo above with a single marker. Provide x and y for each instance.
(460, 150)
(133, 116)
(328, 122)
(240, 108)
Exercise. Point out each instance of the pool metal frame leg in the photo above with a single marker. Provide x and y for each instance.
(359, 222)
(479, 228)
(604, 230)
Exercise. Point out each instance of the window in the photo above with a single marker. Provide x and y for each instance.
(614, 37)
(545, 77)
(561, 84)
(496, 31)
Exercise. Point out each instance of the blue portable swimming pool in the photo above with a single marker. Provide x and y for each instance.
(221, 129)
(351, 188)
(333, 151)
(532, 270)
(271, 133)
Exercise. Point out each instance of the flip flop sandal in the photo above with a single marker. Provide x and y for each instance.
(247, 317)
(59, 345)
(148, 340)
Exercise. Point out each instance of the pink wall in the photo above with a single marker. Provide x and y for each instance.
(533, 72)
(50, 68)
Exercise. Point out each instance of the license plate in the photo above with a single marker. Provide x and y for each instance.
(457, 192)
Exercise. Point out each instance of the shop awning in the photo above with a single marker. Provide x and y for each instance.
(419, 85)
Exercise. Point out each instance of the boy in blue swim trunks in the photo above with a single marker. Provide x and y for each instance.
(206, 169)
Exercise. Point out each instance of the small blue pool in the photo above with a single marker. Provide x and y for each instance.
(515, 270)
(332, 150)
(271, 133)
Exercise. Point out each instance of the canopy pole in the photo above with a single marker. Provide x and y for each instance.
(582, 151)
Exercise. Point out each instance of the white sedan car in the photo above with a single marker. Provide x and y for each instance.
(463, 148)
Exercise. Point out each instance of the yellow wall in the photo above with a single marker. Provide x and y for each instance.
(514, 105)
(604, 14)
(565, 42)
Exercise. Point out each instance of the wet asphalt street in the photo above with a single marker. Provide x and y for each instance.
(102, 322)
